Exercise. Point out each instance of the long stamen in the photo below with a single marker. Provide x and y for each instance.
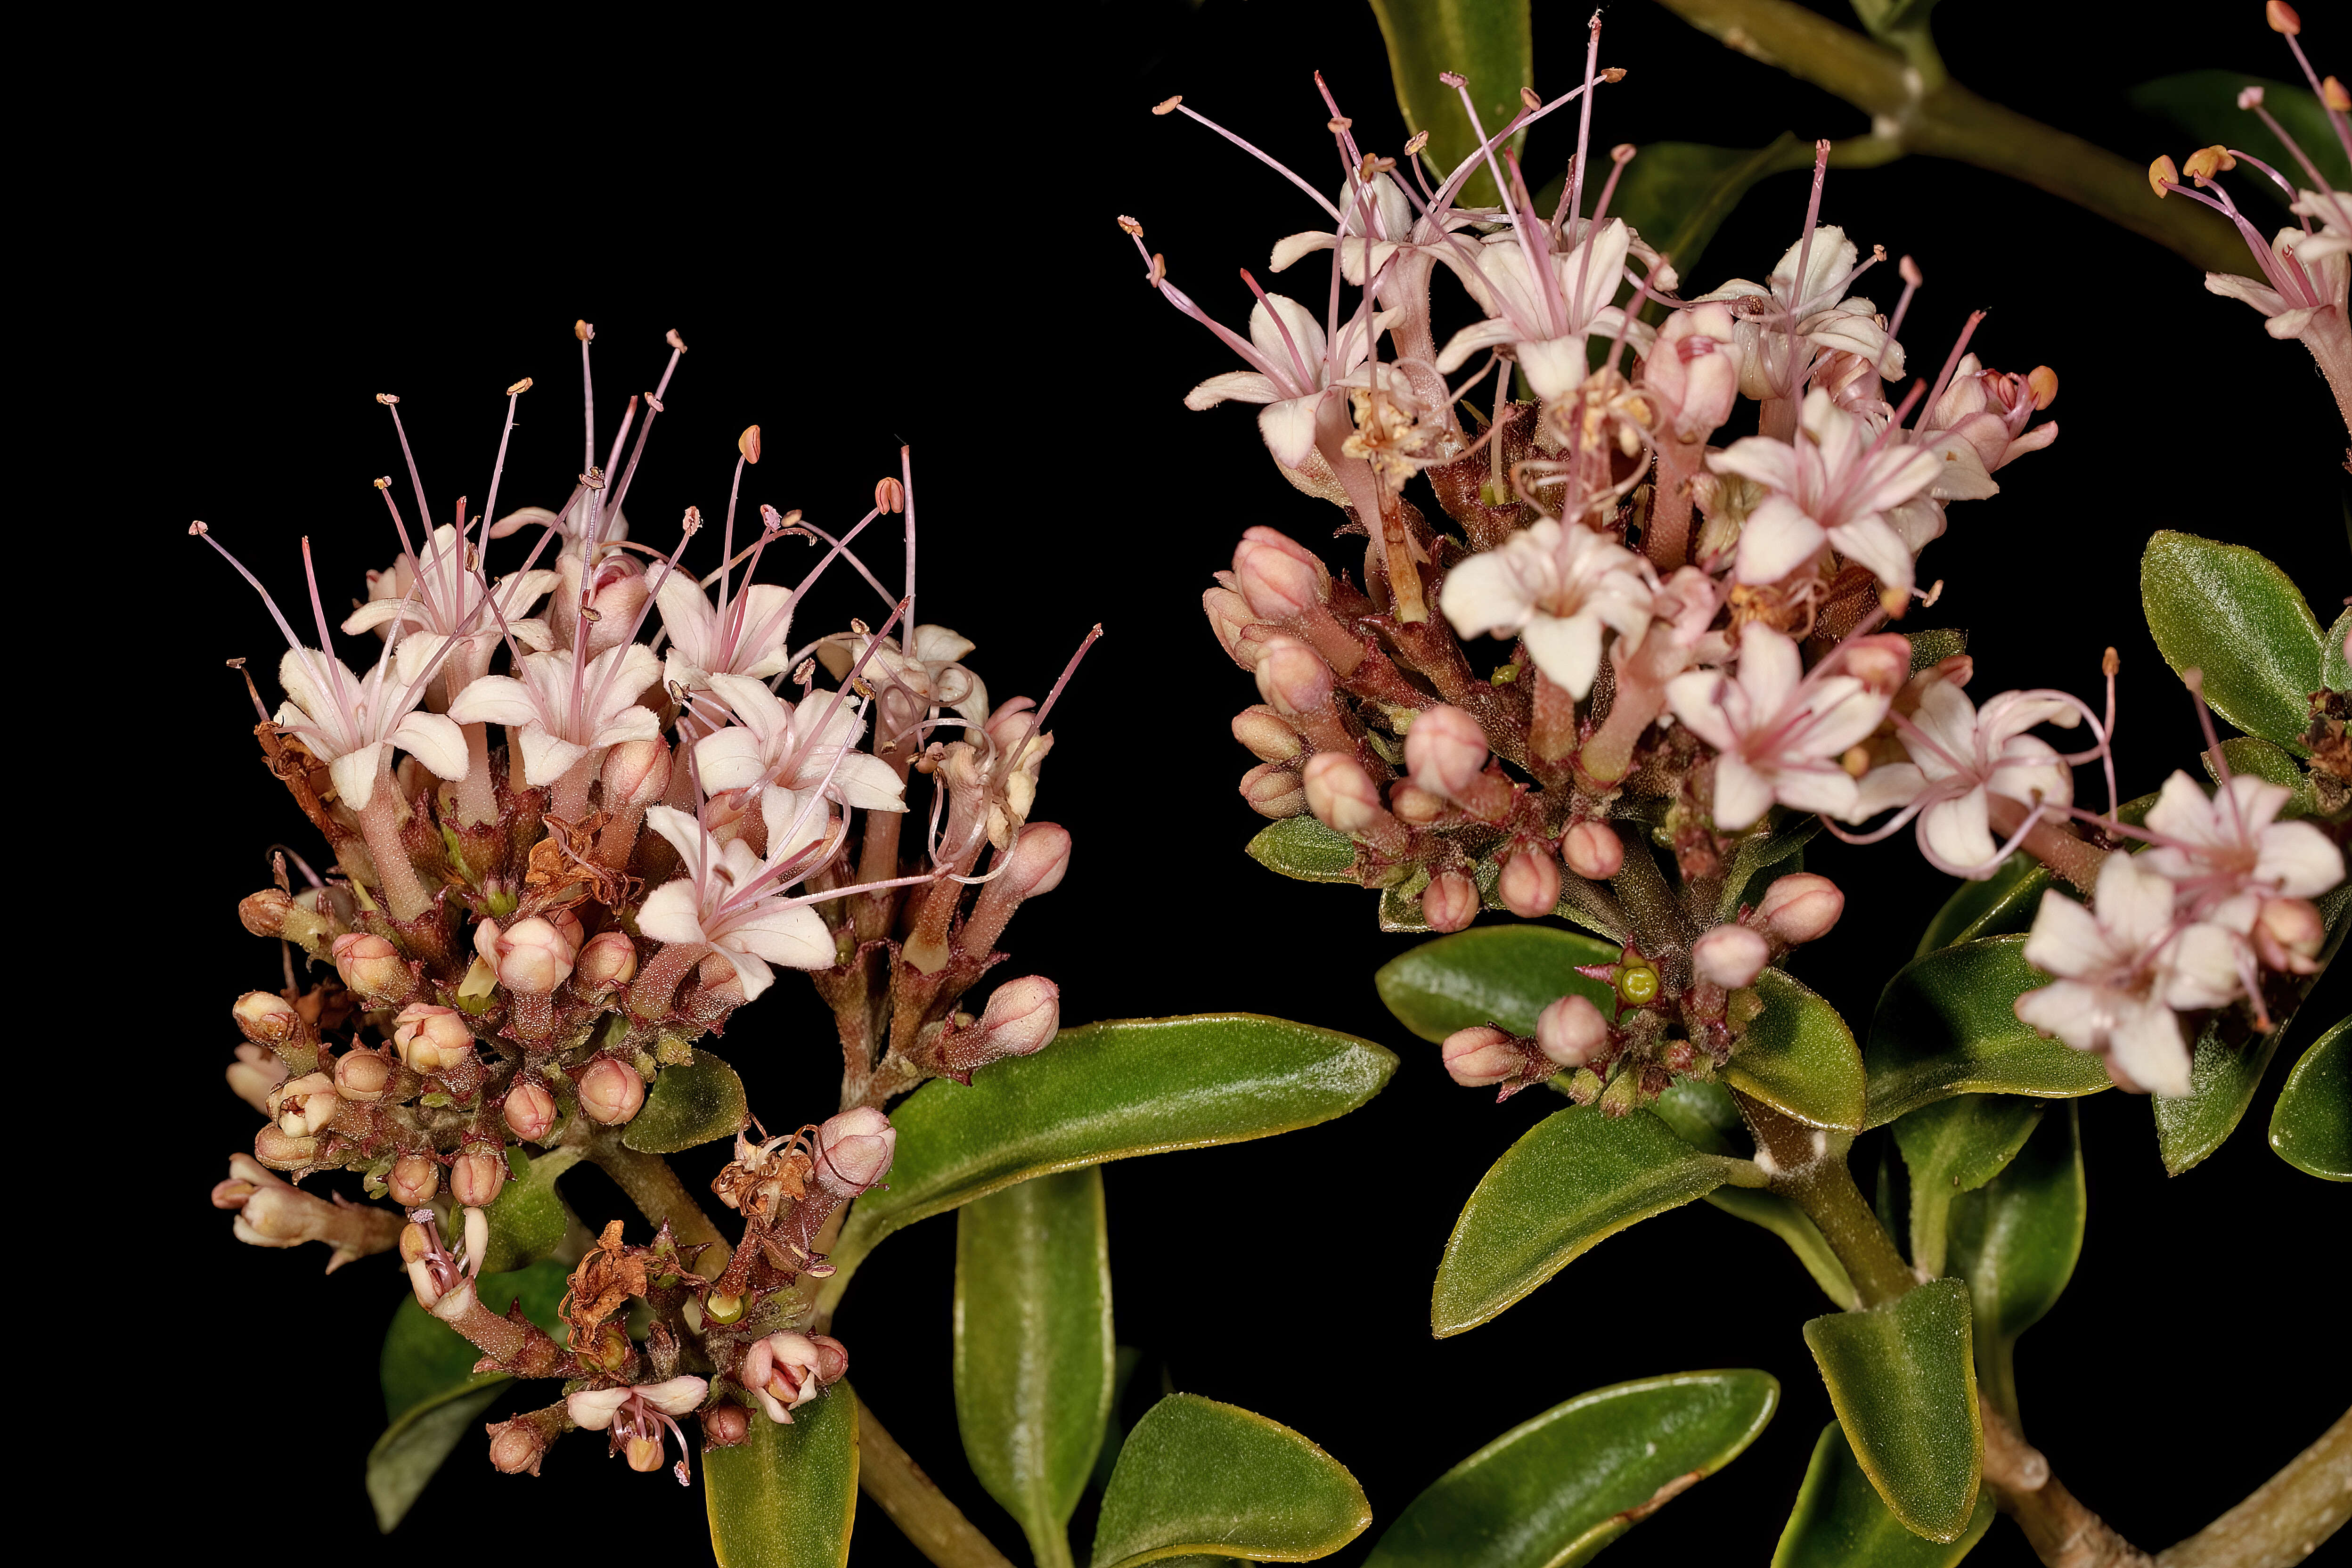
(392, 403)
(1297, 360)
(1584, 121)
(1176, 105)
(1951, 364)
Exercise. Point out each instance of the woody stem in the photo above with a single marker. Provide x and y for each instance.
(2052, 844)
(1807, 1165)
(660, 1195)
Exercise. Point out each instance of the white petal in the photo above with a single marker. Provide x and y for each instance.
(868, 782)
(1241, 385)
(2146, 1042)
(435, 740)
(355, 772)
(1289, 428)
(1957, 831)
(671, 912)
(495, 699)
(1742, 794)
(2073, 1012)
(1776, 538)
(1884, 788)
(2066, 939)
(1290, 247)
(730, 759)
(790, 934)
(751, 972)
(1698, 701)
(675, 1397)
(1567, 649)
(1828, 790)
(1485, 594)
(1871, 542)
(1470, 340)
(594, 1409)
(547, 758)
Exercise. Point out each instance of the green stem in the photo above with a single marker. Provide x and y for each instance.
(660, 1196)
(1807, 1166)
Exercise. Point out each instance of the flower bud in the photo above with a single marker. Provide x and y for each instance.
(1229, 618)
(607, 961)
(476, 1176)
(635, 773)
(1040, 857)
(1572, 1031)
(1593, 851)
(854, 1150)
(724, 1425)
(1881, 663)
(610, 1091)
(1798, 908)
(413, 1180)
(785, 1370)
(1022, 1015)
(362, 1076)
(1272, 790)
(304, 1106)
(1693, 370)
(254, 1074)
(264, 913)
(1450, 902)
(2288, 935)
(529, 1112)
(1530, 884)
(1279, 579)
(532, 956)
(1412, 803)
(1269, 739)
(269, 1019)
(431, 1039)
(1293, 677)
(282, 1151)
(371, 967)
(517, 1445)
(1444, 750)
(832, 1358)
(1483, 1056)
(1730, 956)
(1341, 794)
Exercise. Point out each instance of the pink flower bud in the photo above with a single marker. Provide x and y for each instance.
(1798, 908)
(431, 1039)
(1266, 736)
(1445, 750)
(2288, 935)
(832, 1358)
(724, 1425)
(362, 1076)
(1483, 1056)
(1293, 677)
(635, 773)
(1272, 790)
(1450, 902)
(1022, 1016)
(264, 913)
(1881, 663)
(1341, 794)
(1572, 1031)
(371, 967)
(1279, 579)
(303, 1106)
(531, 955)
(1040, 857)
(611, 1092)
(269, 1019)
(785, 1370)
(413, 1180)
(1229, 618)
(1693, 370)
(854, 1150)
(607, 961)
(1593, 851)
(254, 1074)
(517, 1445)
(282, 1151)
(1412, 803)
(1529, 883)
(529, 1112)
(1730, 956)
(476, 1176)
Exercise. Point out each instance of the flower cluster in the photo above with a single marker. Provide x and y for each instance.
(564, 854)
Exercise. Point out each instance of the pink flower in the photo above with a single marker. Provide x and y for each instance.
(1293, 366)
(1780, 731)
(785, 1370)
(1832, 485)
(637, 1417)
(725, 896)
(2221, 847)
(566, 707)
(1801, 312)
(1962, 756)
(813, 746)
(1556, 586)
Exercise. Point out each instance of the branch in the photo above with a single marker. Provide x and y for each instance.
(2284, 1519)
(937, 1527)
(660, 1195)
(2062, 1532)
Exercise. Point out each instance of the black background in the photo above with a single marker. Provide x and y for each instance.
(902, 228)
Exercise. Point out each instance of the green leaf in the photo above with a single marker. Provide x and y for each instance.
(1757, 853)
(1551, 1492)
(1703, 1116)
(2003, 904)
(1498, 974)
(2226, 610)
(1903, 1384)
(2015, 1241)
(1033, 1352)
(527, 1219)
(2335, 668)
(785, 1497)
(2204, 105)
(1490, 42)
(1302, 848)
(1888, 20)
(1675, 195)
(2311, 1126)
(2245, 754)
(1956, 1146)
(1200, 1477)
(1578, 1177)
(1841, 1521)
(1945, 1026)
(1935, 644)
(1105, 1091)
(1799, 1056)
(689, 1105)
(430, 1388)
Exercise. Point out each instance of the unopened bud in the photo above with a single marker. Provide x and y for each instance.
(610, 1091)
(413, 1180)
(269, 1019)
(1881, 663)
(1272, 790)
(2288, 935)
(1450, 902)
(724, 1425)
(854, 1150)
(1593, 851)
(635, 773)
(832, 1358)
(529, 955)
(517, 1445)
(1293, 677)
(1483, 1056)
(1021, 1018)
(1040, 855)
(1229, 618)
(1279, 579)
(1412, 803)
(529, 1112)
(1529, 883)
(476, 1176)
(607, 961)
(1730, 956)
(1269, 739)
(303, 1106)
(1572, 1031)
(371, 967)
(1341, 794)
(1798, 908)
(282, 1151)
(1445, 750)
(264, 913)
(431, 1039)
(362, 1076)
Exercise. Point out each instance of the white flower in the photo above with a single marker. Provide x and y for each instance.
(1392, 229)
(1960, 757)
(1779, 732)
(2221, 848)
(594, 1409)
(745, 634)
(1776, 317)
(813, 747)
(933, 676)
(1297, 366)
(436, 593)
(1831, 486)
(723, 898)
(1555, 586)
(350, 723)
(564, 711)
(1543, 299)
(2303, 275)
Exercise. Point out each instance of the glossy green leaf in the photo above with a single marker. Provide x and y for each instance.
(1492, 974)
(1551, 1492)
(1033, 1352)
(2203, 104)
(2015, 1241)
(1841, 1521)
(1199, 1477)
(1759, 853)
(1703, 1116)
(2311, 1126)
(2336, 663)
(1904, 1383)
(430, 1388)
(527, 1219)
(1675, 195)
(1105, 1091)
(2226, 610)
(1491, 42)
(2003, 904)
(1889, 20)
(1575, 1179)
(1956, 1146)
(689, 1105)
(1799, 1056)
(1945, 1026)
(785, 1497)
(1302, 848)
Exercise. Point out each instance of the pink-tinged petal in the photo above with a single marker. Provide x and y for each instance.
(1697, 699)
(2299, 860)
(2201, 967)
(1960, 475)
(547, 758)
(774, 1407)
(1288, 429)
(795, 820)
(1956, 830)
(1948, 731)
(1290, 247)
(495, 699)
(594, 1409)
(758, 709)
(1485, 594)
(670, 913)
(2256, 801)
(1845, 713)
(1772, 464)
(1567, 649)
(631, 723)
(1771, 668)
(692, 622)
(751, 972)
(1554, 367)
(1602, 270)
(1885, 788)
(675, 1397)
(1479, 335)
(1240, 385)
(435, 740)
(2075, 1013)
(355, 772)
(684, 833)
(2146, 1042)
(2133, 900)
(1828, 790)
(730, 759)
(1300, 354)
(2181, 811)
(1870, 543)
(1742, 794)
(2066, 939)
(1778, 538)
(1891, 478)
(790, 934)
(2034, 769)
(2260, 296)
(376, 613)
(937, 645)
(619, 676)
(868, 784)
